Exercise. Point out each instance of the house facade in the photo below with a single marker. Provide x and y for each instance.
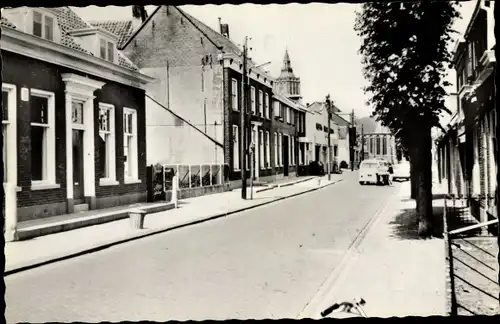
(185, 104)
(73, 116)
(467, 151)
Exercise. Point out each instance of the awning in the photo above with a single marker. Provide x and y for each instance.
(304, 140)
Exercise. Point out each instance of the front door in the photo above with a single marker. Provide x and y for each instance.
(78, 194)
(285, 155)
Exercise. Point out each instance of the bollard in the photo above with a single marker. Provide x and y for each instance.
(137, 218)
(175, 190)
(10, 219)
(319, 181)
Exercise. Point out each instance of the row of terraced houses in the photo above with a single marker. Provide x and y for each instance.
(467, 151)
(88, 105)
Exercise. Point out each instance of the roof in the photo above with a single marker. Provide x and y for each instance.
(319, 106)
(338, 120)
(215, 37)
(67, 21)
(122, 28)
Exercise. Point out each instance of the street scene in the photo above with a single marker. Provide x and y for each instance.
(180, 162)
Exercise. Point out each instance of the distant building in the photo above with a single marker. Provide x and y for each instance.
(380, 144)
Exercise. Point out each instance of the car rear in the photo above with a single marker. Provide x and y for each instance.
(368, 172)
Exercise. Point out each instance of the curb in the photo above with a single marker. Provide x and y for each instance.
(101, 246)
(332, 279)
(291, 183)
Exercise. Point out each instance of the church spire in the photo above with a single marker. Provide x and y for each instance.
(287, 83)
(287, 65)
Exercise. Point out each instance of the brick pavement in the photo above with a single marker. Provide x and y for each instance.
(396, 273)
(25, 254)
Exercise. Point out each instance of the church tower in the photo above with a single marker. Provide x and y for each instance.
(287, 83)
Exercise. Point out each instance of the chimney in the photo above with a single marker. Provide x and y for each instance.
(224, 29)
(136, 23)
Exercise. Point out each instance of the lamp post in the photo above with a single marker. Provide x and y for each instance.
(329, 114)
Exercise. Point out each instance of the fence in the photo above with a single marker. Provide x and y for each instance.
(190, 176)
(472, 265)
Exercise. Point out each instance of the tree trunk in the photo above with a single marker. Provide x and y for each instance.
(424, 185)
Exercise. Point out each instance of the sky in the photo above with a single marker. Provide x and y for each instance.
(320, 39)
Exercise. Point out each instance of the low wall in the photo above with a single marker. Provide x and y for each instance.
(200, 191)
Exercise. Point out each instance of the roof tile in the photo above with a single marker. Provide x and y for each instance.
(121, 28)
(68, 20)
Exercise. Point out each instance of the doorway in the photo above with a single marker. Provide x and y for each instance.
(78, 173)
(285, 155)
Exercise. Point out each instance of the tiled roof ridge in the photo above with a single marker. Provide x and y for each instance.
(68, 20)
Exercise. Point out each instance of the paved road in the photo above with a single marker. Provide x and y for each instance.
(263, 263)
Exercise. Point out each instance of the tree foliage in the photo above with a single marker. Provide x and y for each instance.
(405, 50)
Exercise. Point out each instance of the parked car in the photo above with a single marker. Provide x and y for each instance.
(401, 171)
(316, 168)
(373, 171)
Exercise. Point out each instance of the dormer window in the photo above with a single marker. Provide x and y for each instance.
(43, 26)
(107, 51)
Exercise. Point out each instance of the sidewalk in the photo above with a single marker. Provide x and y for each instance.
(22, 255)
(394, 271)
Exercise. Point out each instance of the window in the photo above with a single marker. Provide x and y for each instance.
(111, 52)
(280, 149)
(384, 146)
(130, 145)
(268, 151)
(267, 108)
(236, 148)
(43, 26)
(43, 154)
(252, 96)
(292, 146)
(276, 108)
(234, 94)
(107, 50)
(49, 28)
(106, 144)
(261, 149)
(261, 103)
(9, 106)
(103, 49)
(276, 150)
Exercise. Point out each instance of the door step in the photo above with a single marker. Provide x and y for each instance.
(80, 208)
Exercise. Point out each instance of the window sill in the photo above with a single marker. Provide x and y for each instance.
(44, 186)
(108, 182)
(131, 181)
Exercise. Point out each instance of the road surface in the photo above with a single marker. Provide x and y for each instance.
(267, 262)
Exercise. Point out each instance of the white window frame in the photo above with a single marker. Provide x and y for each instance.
(280, 149)
(10, 139)
(276, 149)
(292, 147)
(287, 112)
(267, 109)
(261, 103)
(261, 150)
(49, 151)
(44, 25)
(268, 150)
(252, 97)
(107, 45)
(236, 148)
(134, 178)
(234, 94)
(110, 146)
(277, 108)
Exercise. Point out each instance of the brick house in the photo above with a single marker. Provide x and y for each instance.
(467, 151)
(73, 115)
(198, 75)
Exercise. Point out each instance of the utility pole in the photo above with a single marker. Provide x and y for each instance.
(243, 133)
(329, 110)
(351, 140)
(362, 157)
